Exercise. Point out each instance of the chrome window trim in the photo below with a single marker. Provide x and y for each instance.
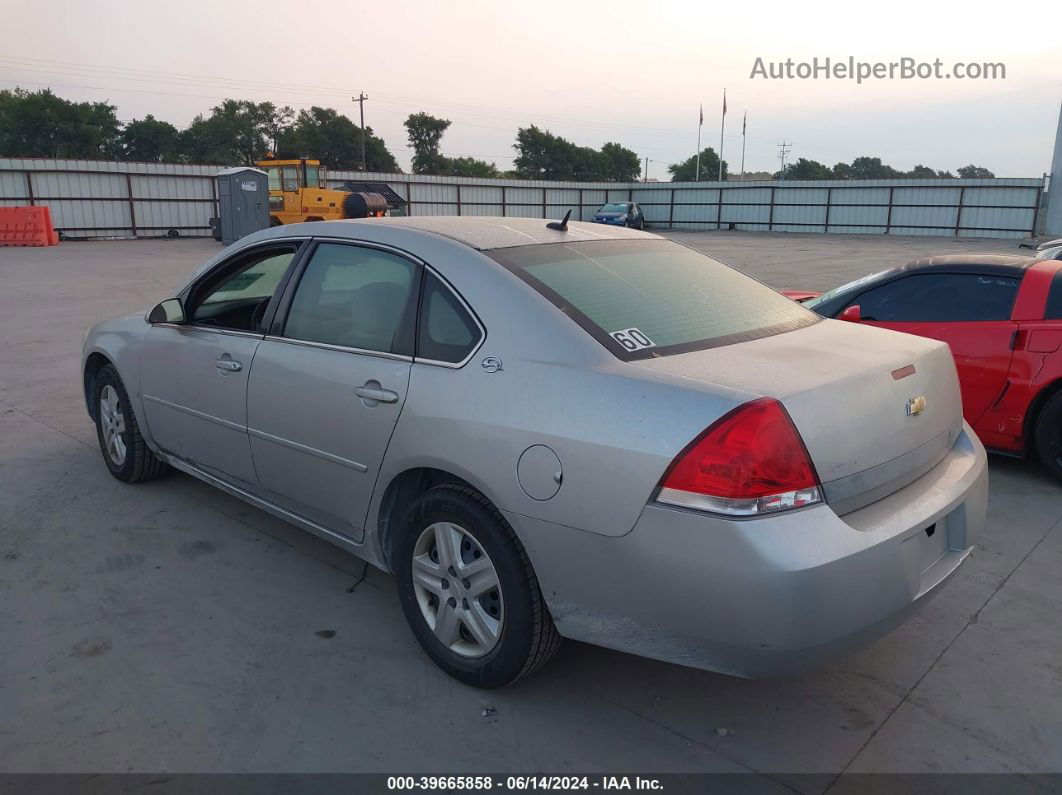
(188, 288)
(387, 355)
(228, 332)
(339, 348)
(482, 329)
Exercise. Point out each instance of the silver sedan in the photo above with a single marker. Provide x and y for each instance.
(558, 430)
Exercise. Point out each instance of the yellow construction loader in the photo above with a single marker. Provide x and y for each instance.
(296, 194)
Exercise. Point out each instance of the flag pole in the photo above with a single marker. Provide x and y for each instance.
(697, 173)
(722, 126)
(744, 124)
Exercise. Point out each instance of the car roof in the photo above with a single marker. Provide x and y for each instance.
(992, 263)
(484, 232)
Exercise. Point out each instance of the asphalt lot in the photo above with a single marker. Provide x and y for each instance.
(170, 628)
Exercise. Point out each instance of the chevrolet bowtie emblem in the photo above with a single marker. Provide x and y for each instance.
(916, 405)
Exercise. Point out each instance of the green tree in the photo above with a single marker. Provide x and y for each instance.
(922, 172)
(277, 126)
(870, 168)
(41, 124)
(236, 132)
(150, 140)
(543, 155)
(469, 167)
(975, 172)
(425, 132)
(335, 140)
(620, 163)
(806, 169)
(686, 171)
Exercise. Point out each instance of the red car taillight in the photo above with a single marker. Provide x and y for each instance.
(749, 462)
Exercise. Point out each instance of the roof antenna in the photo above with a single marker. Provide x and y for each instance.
(560, 226)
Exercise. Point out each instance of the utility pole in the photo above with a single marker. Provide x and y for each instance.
(783, 151)
(646, 177)
(360, 99)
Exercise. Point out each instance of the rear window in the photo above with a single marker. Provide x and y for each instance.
(645, 298)
(1053, 310)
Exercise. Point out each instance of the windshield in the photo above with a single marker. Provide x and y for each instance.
(844, 288)
(645, 298)
(613, 208)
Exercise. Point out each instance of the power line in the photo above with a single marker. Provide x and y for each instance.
(38, 66)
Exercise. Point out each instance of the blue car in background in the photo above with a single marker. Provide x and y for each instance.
(620, 214)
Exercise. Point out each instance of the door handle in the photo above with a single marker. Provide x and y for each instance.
(377, 394)
(228, 365)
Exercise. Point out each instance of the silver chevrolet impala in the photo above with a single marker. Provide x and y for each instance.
(562, 430)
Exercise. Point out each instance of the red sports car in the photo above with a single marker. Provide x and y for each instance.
(1002, 317)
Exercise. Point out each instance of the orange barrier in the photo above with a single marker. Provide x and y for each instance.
(27, 226)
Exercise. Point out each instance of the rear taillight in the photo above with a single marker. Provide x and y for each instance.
(751, 461)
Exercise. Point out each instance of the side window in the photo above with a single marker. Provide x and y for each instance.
(351, 296)
(446, 332)
(1053, 310)
(940, 297)
(291, 178)
(274, 177)
(238, 299)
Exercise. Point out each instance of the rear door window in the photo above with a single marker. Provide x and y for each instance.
(352, 297)
(645, 298)
(446, 332)
(940, 298)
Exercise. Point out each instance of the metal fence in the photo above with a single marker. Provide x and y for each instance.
(100, 198)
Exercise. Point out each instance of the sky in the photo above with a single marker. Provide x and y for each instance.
(631, 72)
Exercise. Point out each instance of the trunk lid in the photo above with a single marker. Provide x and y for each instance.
(876, 408)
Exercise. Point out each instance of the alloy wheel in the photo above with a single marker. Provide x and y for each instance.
(112, 422)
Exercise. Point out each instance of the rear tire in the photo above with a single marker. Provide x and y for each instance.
(511, 614)
(125, 452)
(1049, 435)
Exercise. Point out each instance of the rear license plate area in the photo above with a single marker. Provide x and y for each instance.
(927, 546)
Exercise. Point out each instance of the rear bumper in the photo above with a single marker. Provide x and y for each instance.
(762, 597)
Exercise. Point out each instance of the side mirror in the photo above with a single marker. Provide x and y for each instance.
(167, 312)
(852, 314)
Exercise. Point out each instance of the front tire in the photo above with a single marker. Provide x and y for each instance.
(1049, 435)
(124, 450)
(468, 590)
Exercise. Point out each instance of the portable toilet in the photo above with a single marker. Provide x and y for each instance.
(243, 202)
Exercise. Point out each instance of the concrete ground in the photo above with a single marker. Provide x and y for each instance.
(169, 627)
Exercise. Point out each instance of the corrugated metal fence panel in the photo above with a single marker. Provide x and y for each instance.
(480, 194)
(157, 217)
(923, 196)
(791, 195)
(994, 197)
(13, 185)
(998, 219)
(53, 185)
(566, 196)
(786, 216)
(172, 188)
(104, 217)
(96, 197)
(523, 196)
